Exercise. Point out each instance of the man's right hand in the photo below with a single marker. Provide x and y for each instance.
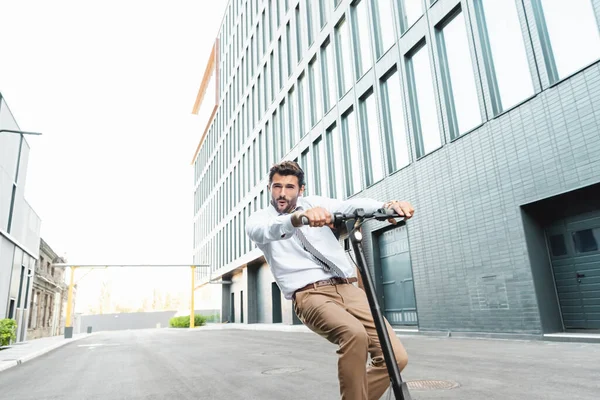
(317, 217)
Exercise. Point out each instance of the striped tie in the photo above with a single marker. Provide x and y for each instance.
(325, 263)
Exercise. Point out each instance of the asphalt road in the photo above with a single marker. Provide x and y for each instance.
(239, 364)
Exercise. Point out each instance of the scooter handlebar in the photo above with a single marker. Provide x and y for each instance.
(381, 214)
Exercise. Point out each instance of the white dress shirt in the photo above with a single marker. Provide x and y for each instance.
(291, 265)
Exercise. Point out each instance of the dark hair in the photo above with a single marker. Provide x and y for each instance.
(286, 168)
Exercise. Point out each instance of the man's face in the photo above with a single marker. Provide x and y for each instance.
(285, 192)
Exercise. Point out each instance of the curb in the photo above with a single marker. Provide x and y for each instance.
(29, 357)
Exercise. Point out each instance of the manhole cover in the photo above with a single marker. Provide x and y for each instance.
(282, 371)
(431, 385)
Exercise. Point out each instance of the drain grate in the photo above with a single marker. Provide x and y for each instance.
(431, 385)
(282, 371)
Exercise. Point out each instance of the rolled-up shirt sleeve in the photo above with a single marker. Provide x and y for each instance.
(263, 228)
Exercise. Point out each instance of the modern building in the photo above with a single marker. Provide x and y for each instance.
(484, 114)
(19, 225)
(48, 302)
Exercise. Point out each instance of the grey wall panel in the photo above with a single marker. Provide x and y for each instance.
(468, 195)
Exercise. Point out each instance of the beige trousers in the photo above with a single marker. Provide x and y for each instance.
(341, 314)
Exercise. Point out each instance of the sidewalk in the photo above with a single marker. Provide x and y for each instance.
(21, 352)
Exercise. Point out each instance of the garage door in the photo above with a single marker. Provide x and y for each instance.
(400, 305)
(574, 246)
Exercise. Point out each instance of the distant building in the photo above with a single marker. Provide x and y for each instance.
(49, 297)
(19, 225)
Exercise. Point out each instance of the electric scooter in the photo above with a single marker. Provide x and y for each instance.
(352, 223)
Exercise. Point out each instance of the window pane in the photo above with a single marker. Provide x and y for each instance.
(508, 52)
(395, 128)
(586, 240)
(315, 92)
(385, 27)
(289, 49)
(344, 58)
(317, 168)
(283, 137)
(320, 167)
(573, 34)
(300, 106)
(292, 121)
(424, 102)
(335, 165)
(362, 36)
(305, 165)
(299, 47)
(371, 140)
(327, 61)
(461, 90)
(351, 147)
(411, 12)
(310, 22)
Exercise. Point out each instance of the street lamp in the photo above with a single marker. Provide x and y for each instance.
(19, 132)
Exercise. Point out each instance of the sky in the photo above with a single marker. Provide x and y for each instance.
(110, 85)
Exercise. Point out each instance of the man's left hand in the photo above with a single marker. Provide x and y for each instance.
(402, 208)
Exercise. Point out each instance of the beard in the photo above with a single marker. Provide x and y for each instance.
(283, 205)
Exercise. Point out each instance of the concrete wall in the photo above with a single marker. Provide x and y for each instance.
(19, 239)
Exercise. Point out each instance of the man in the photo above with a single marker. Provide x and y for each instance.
(311, 268)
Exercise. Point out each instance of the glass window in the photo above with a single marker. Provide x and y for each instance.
(271, 19)
(459, 77)
(256, 170)
(283, 138)
(411, 12)
(371, 140)
(276, 138)
(323, 12)
(327, 67)
(272, 74)
(423, 103)
(315, 92)
(385, 26)
(281, 62)
(300, 106)
(335, 166)
(261, 155)
(290, 45)
(268, 149)
(392, 105)
(362, 48)
(304, 164)
(319, 166)
(344, 58)
(586, 240)
(352, 148)
(573, 32)
(299, 47)
(265, 88)
(264, 33)
(507, 61)
(310, 23)
(292, 122)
